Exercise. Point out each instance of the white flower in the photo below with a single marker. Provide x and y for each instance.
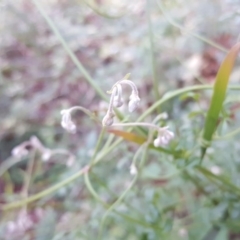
(134, 102)
(134, 99)
(108, 119)
(19, 151)
(67, 122)
(164, 137)
(118, 100)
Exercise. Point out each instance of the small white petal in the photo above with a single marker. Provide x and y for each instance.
(67, 122)
(164, 137)
(117, 102)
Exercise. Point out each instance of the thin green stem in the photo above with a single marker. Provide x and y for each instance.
(91, 189)
(142, 124)
(108, 142)
(45, 192)
(28, 175)
(170, 95)
(101, 155)
(152, 52)
(86, 111)
(228, 135)
(100, 138)
(8, 163)
(108, 150)
(221, 179)
(69, 51)
(118, 201)
(100, 12)
(175, 24)
(122, 196)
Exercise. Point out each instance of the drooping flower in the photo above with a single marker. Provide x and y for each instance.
(118, 100)
(164, 137)
(67, 122)
(108, 119)
(134, 102)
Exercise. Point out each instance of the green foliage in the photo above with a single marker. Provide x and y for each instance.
(114, 183)
(220, 88)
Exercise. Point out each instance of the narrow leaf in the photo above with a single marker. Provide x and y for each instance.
(131, 137)
(218, 97)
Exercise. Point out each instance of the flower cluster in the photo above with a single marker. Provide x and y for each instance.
(26, 147)
(164, 136)
(34, 144)
(116, 100)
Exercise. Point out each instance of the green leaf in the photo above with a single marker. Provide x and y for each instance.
(218, 97)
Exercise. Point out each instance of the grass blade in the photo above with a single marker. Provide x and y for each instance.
(218, 97)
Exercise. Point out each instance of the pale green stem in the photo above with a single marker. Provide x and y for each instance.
(28, 176)
(45, 192)
(105, 152)
(135, 124)
(170, 95)
(100, 12)
(8, 163)
(85, 110)
(57, 186)
(108, 142)
(228, 135)
(223, 180)
(69, 51)
(152, 53)
(91, 189)
(122, 196)
(96, 196)
(100, 138)
(175, 24)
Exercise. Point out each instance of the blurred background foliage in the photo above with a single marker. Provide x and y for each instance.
(179, 44)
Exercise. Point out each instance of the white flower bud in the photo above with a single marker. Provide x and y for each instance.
(134, 102)
(164, 137)
(67, 122)
(118, 100)
(108, 119)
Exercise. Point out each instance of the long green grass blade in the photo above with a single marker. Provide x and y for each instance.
(219, 92)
